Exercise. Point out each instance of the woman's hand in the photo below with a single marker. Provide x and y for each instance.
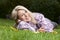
(41, 29)
(18, 20)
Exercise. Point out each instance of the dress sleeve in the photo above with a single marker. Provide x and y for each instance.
(24, 25)
(41, 20)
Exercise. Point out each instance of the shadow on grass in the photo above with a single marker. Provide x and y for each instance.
(57, 27)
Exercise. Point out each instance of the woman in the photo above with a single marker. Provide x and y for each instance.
(23, 18)
(26, 19)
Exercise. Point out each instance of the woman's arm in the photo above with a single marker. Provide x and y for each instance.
(24, 25)
(41, 22)
(46, 24)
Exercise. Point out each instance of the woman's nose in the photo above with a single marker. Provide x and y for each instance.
(26, 16)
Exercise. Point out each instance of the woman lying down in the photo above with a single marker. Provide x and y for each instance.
(35, 22)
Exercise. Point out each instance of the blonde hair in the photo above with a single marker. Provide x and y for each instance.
(14, 13)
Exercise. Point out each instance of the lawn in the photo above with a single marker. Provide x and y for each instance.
(6, 33)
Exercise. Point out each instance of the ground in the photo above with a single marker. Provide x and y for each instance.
(6, 33)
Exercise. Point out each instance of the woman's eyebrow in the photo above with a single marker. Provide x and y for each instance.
(22, 14)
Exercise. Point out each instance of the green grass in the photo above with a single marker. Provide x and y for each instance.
(6, 33)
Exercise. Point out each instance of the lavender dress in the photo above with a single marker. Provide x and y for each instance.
(41, 20)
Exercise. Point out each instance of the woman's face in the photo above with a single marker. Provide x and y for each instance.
(24, 16)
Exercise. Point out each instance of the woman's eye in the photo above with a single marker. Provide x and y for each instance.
(22, 15)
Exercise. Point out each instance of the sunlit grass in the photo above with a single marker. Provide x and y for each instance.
(6, 33)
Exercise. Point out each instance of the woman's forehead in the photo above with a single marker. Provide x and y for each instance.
(21, 12)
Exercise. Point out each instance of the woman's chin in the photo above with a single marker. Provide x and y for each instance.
(27, 20)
